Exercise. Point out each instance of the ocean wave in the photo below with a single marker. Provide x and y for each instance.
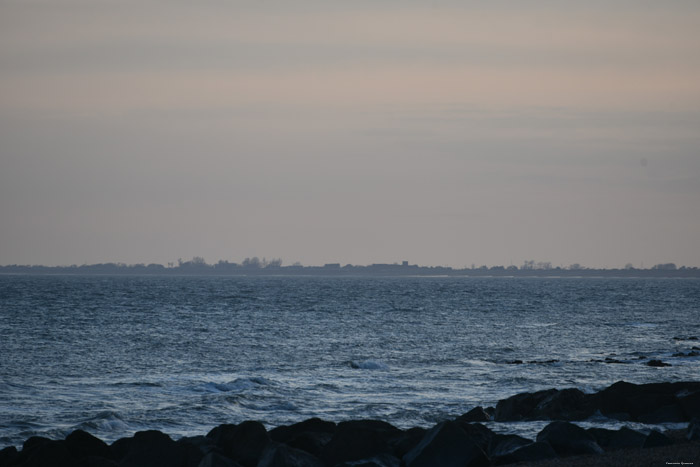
(238, 384)
(367, 365)
(104, 421)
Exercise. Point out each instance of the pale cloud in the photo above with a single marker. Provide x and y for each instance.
(356, 132)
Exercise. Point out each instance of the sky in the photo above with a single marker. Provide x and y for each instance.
(437, 132)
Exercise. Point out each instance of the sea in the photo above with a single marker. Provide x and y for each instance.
(113, 355)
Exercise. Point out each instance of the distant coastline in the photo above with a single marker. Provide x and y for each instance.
(256, 267)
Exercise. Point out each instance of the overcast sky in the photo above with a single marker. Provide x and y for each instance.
(437, 132)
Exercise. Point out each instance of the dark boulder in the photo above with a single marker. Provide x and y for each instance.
(216, 459)
(359, 439)
(50, 453)
(550, 404)
(689, 403)
(478, 433)
(693, 432)
(637, 400)
(284, 433)
(407, 440)
(82, 444)
(611, 440)
(520, 406)
(446, 445)
(502, 445)
(532, 452)
(153, 449)
(568, 439)
(8, 455)
(311, 442)
(281, 455)
(477, 414)
(657, 363)
(672, 413)
(382, 460)
(656, 439)
(243, 443)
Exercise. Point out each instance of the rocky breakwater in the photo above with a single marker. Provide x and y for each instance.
(464, 441)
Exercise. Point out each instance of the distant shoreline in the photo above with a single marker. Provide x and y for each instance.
(335, 270)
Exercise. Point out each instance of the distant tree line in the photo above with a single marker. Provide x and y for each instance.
(256, 266)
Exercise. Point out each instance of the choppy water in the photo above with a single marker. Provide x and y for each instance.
(114, 355)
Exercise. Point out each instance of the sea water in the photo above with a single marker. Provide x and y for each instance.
(114, 355)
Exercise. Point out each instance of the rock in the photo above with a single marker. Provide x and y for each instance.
(82, 444)
(502, 445)
(477, 414)
(689, 403)
(656, 439)
(8, 455)
(551, 404)
(311, 442)
(657, 363)
(359, 439)
(665, 414)
(281, 455)
(244, 443)
(284, 433)
(446, 445)
(568, 439)
(520, 406)
(407, 440)
(478, 433)
(215, 459)
(383, 460)
(612, 440)
(153, 449)
(641, 400)
(532, 452)
(201, 444)
(693, 432)
(50, 453)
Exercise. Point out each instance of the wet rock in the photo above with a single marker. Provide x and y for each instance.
(666, 414)
(639, 400)
(657, 363)
(514, 362)
(568, 439)
(447, 445)
(478, 433)
(502, 445)
(520, 406)
(215, 459)
(82, 444)
(612, 440)
(532, 452)
(477, 414)
(284, 433)
(153, 449)
(407, 440)
(383, 460)
(311, 442)
(50, 453)
(689, 403)
(551, 404)
(200, 444)
(693, 432)
(244, 443)
(656, 439)
(281, 455)
(8, 455)
(359, 439)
